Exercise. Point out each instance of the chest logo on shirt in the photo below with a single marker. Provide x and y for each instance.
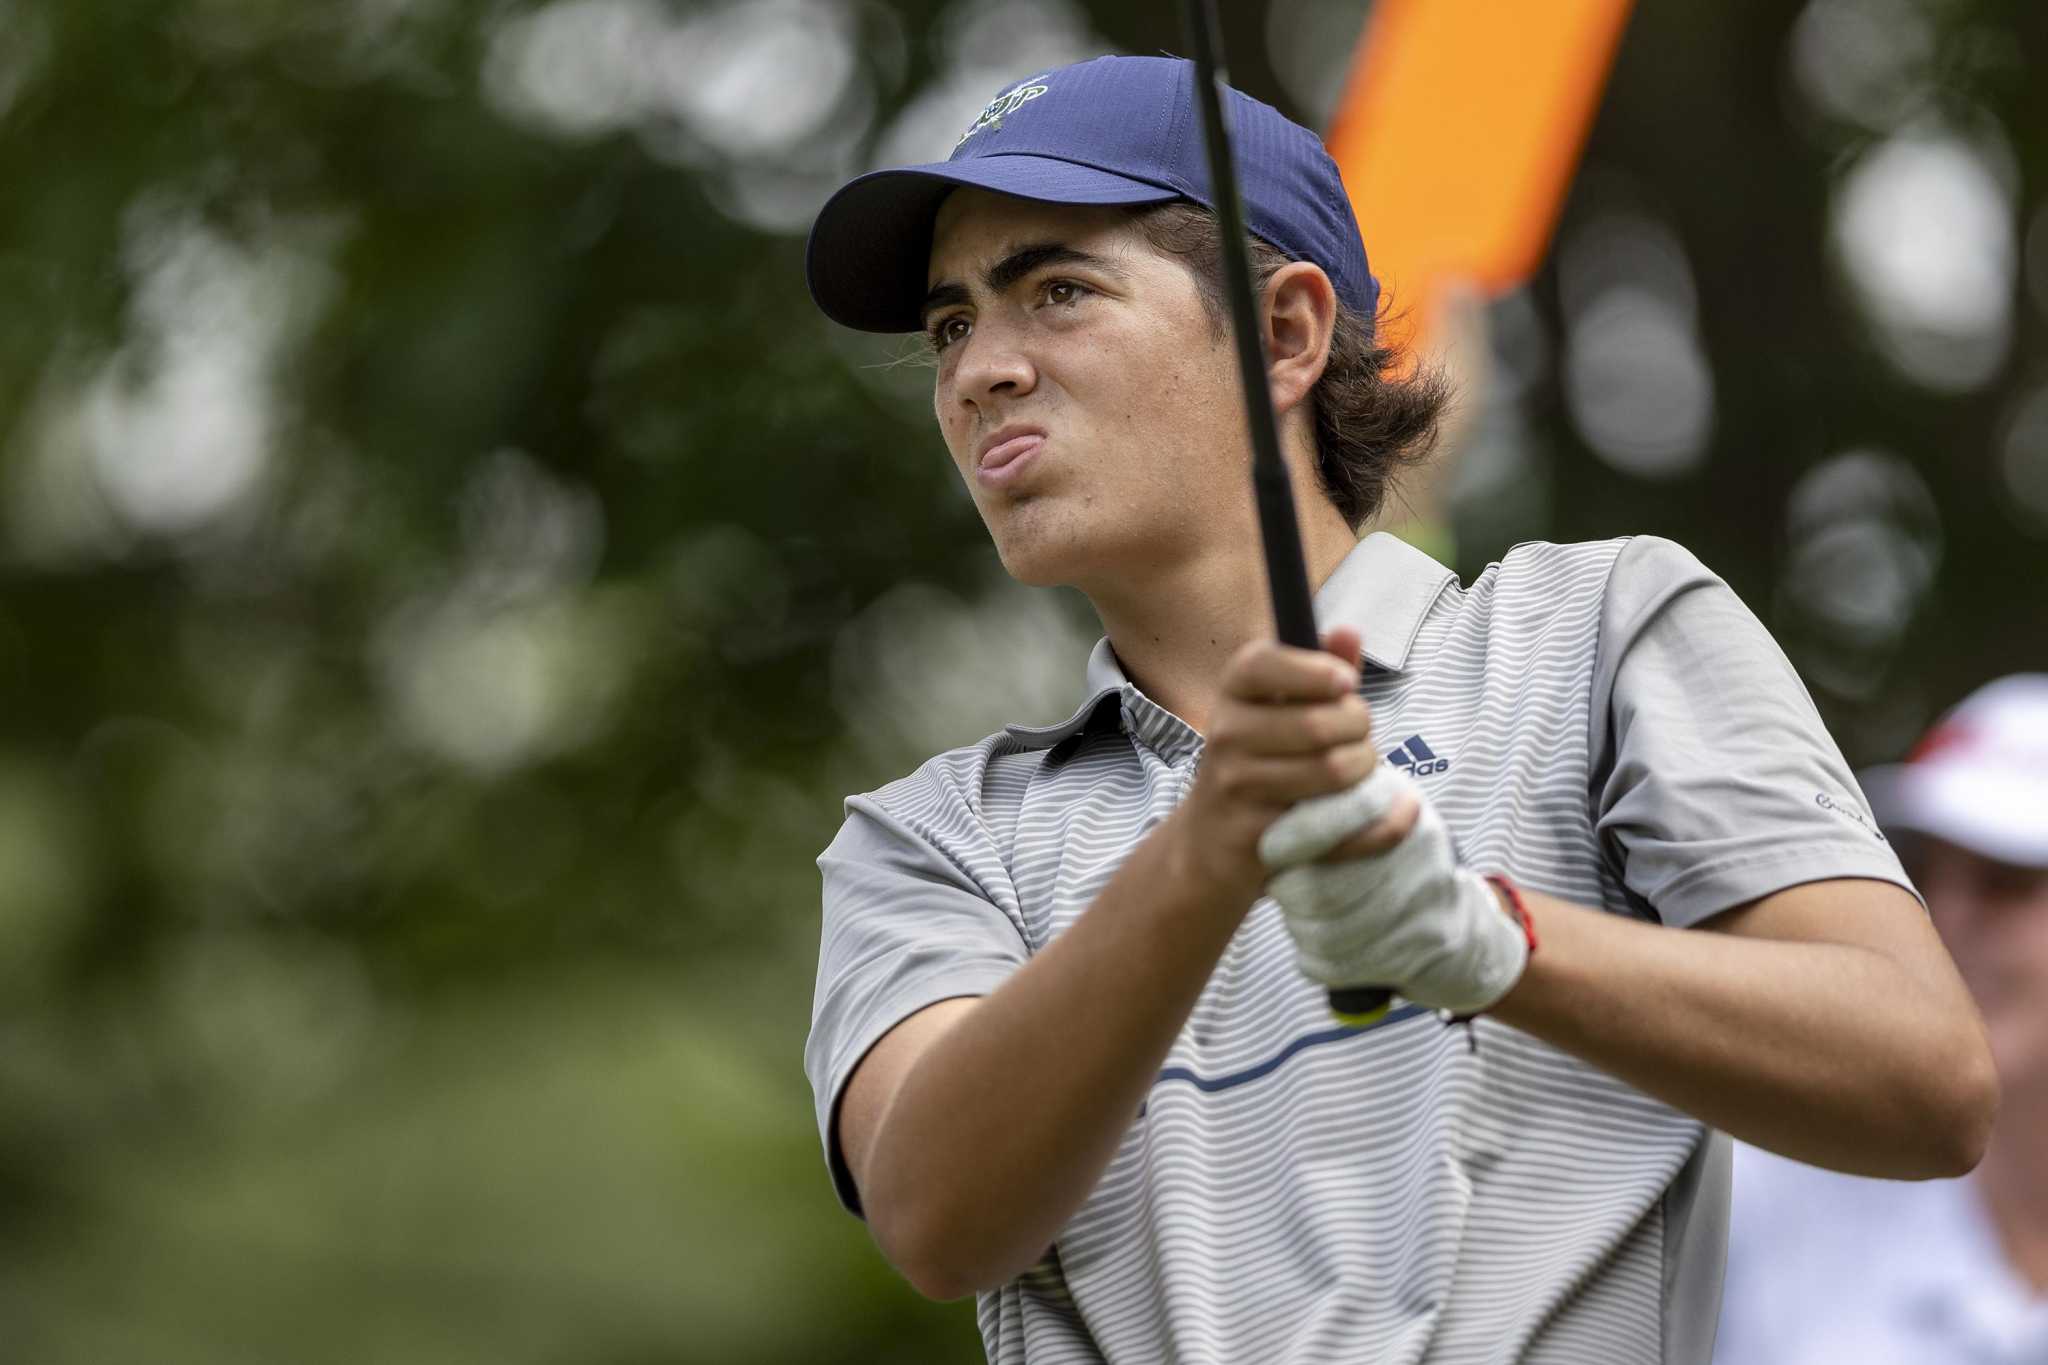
(1417, 758)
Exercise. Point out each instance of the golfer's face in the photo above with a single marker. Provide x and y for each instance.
(1087, 402)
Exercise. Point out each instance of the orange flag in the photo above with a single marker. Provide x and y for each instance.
(1458, 132)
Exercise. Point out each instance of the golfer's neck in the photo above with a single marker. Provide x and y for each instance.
(1175, 627)
(1173, 634)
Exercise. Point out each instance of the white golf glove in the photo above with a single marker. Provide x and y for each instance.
(1410, 919)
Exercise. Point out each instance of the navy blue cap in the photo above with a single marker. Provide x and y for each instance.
(1115, 130)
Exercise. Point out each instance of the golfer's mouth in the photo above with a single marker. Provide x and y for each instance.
(1005, 453)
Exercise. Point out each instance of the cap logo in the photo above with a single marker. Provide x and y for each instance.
(1009, 102)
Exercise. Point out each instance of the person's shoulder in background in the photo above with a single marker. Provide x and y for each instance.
(1833, 1269)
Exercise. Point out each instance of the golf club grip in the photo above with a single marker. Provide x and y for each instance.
(1360, 1004)
(1286, 571)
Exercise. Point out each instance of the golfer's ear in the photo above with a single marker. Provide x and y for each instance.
(1300, 312)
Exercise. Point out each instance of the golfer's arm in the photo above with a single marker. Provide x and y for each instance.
(1825, 1023)
(975, 1129)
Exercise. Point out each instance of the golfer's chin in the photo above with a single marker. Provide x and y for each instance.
(1041, 546)
(1033, 566)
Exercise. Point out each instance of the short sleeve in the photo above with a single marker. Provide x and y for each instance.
(1714, 781)
(905, 926)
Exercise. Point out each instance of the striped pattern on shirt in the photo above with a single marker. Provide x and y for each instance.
(1296, 1191)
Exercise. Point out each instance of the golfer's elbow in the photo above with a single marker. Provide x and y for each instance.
(1967, 1106)
(936, 1281)
(940, 1265)
(1927, 1117)
(1930, 1120)
(942, 1245)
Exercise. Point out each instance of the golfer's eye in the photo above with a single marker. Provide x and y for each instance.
(1064, 292)
(945, 331)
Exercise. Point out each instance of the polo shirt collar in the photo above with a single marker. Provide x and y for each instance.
(1384, 587)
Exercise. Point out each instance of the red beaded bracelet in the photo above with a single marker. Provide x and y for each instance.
(1516, 908)
(1519, 913)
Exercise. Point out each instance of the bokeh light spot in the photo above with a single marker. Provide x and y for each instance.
(1638, 384)
(2023, 460)
(1863, 61)
(1923, 225)
(921, 670)
(1864, 539)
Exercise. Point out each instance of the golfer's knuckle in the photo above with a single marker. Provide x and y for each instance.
(1241, 673)
(1313, 730)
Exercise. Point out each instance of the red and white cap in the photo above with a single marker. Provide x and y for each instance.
(1980, 777)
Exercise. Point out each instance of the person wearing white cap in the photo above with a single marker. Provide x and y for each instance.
(1824, 1267)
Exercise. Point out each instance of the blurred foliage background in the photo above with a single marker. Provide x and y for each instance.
(449, 575)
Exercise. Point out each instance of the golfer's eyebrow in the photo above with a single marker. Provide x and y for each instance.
(1015, 267)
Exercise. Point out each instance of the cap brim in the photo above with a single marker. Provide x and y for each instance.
(1995, 812)
(871, 244)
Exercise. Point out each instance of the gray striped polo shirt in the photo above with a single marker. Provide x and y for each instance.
(1603, 722)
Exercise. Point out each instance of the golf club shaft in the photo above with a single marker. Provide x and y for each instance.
(1286, 572)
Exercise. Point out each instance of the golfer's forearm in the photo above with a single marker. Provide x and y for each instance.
(1003, 1127)
(1824, 1052)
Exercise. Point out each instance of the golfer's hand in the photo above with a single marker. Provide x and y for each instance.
(1409, 917)
(1288, 726)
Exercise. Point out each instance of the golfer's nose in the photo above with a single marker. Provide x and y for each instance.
(994, 370)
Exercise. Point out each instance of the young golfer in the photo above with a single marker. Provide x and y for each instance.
(1072, 1045)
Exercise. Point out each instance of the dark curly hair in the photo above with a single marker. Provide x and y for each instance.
(1371, 420)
